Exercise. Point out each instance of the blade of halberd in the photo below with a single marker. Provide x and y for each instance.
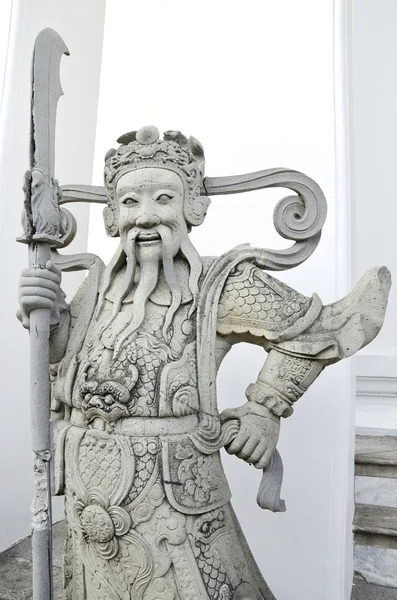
(46, 91)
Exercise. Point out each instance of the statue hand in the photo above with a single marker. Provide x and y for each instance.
(258, 434)
(39, 288)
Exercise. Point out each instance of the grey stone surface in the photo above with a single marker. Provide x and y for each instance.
(378, 491)
(375, 539)
(375, 470)
(368, 591)
(376, 450)
(16, 568)
(375, 431)
(375, 519)
(376, 565)
(137, 432)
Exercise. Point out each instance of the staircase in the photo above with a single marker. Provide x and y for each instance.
(375, 520)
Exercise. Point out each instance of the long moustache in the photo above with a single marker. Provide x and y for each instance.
(170, 276)
(196, 268)
(128, 279)
(149, 279)
(131, 263)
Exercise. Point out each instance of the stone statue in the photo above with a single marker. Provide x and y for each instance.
(134, 358)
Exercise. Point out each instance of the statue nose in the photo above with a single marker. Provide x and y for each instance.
(147, 220)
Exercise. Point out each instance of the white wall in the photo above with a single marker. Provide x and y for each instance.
(5, 20)
(374, 135)
(81, 26)
(255, 83)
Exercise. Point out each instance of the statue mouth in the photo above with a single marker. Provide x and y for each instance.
(148, 236)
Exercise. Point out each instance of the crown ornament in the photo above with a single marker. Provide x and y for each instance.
(143, 149)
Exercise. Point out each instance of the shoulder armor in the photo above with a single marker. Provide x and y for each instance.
(252, 301)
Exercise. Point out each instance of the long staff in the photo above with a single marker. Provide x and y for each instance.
(42, 222)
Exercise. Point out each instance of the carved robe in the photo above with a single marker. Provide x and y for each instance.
(138, 434)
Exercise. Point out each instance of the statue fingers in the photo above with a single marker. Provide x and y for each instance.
(236, 445)
(265, 459)
(230, 413)
(39, 292)
(39, 282)
(32, 302)
(248, 448)
(257, 453)
(37, 273)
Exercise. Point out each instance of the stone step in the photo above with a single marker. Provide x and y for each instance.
(378, 491)
(375, 526)
(376, 450)
(376, 456)
(380, 520)
(376, 564)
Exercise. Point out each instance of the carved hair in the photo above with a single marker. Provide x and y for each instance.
(143, 149)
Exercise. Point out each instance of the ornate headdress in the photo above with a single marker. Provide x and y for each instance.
(144, 148)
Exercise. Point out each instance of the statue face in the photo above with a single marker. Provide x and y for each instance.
(150, 205)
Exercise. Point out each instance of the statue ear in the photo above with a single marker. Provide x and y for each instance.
(111, 224)
(195, 209)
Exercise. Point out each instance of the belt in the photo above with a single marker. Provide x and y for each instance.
(145, 426)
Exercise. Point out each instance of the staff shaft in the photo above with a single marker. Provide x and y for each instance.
(40, 253)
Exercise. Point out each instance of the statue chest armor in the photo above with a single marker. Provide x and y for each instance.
(118, 399)
(150, 376)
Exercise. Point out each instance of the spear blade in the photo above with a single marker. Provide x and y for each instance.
(46, 91)
(41, 216)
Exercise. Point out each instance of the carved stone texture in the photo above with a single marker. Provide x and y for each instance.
(42, 218)
(137, 432)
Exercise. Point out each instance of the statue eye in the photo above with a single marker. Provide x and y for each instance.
(163, 198)
(130, 202)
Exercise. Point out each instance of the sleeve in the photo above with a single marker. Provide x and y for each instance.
(256, 307)
(300, 334)
(282, 381)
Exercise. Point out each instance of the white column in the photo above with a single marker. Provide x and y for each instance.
(374, 137)
(254, 82)
(5, 17)
(81, 26)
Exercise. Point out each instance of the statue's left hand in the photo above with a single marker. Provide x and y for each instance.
(258, 434)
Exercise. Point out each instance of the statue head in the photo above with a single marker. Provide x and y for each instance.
(144, 149)
(150, 205)
(153, 187)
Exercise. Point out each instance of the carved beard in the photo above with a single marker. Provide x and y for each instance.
(149, 276)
